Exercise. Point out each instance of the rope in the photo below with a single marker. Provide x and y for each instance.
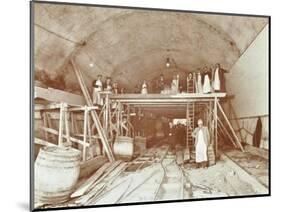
(59, 36)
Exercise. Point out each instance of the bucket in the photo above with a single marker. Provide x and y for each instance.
(123, 148)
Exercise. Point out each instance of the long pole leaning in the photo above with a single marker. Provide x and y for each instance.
(93, 113)
(231, 128)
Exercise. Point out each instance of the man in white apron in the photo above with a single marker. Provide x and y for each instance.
(199, 83)
(175, 84)
(97, 88)
(206, 84)
(217, 82)
(202, 138)
(144, 89)
(219, 79)
(189, 83)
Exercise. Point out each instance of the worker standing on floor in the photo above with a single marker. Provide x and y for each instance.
(171, 136)
(202, 138)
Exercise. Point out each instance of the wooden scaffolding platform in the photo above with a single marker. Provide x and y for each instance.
(209, 105)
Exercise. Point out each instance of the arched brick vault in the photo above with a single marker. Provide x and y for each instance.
(132, 45)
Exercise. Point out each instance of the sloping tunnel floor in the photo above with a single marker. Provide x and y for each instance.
(184, 181)
(253, 164)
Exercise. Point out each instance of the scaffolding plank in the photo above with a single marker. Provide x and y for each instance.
(166, 96)
(55, 132)
(55, 95)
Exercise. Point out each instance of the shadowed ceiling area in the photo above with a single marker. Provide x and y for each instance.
(131, 45)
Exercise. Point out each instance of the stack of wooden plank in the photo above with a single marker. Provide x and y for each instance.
(145, 184)
(140, 185)
(94, 185)
(160, 180)
(90, 166)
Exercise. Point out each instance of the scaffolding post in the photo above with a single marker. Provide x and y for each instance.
(61, 125)
(216, 125)
(187, 126)
(85, 132)
(66, 118)
(106, 112)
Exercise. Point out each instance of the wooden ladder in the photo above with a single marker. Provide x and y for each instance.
(190, 125)
(190, 117)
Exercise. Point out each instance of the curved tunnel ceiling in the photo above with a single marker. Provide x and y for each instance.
(132, 45)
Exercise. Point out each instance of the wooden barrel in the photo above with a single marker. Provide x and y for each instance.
(56, 173)
(123, 148)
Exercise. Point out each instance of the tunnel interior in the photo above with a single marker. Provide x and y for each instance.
(74, 44)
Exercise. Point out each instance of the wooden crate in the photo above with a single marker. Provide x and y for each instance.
(211, 156)
(140, 145)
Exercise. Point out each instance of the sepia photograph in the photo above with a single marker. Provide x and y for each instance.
(142, 105)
